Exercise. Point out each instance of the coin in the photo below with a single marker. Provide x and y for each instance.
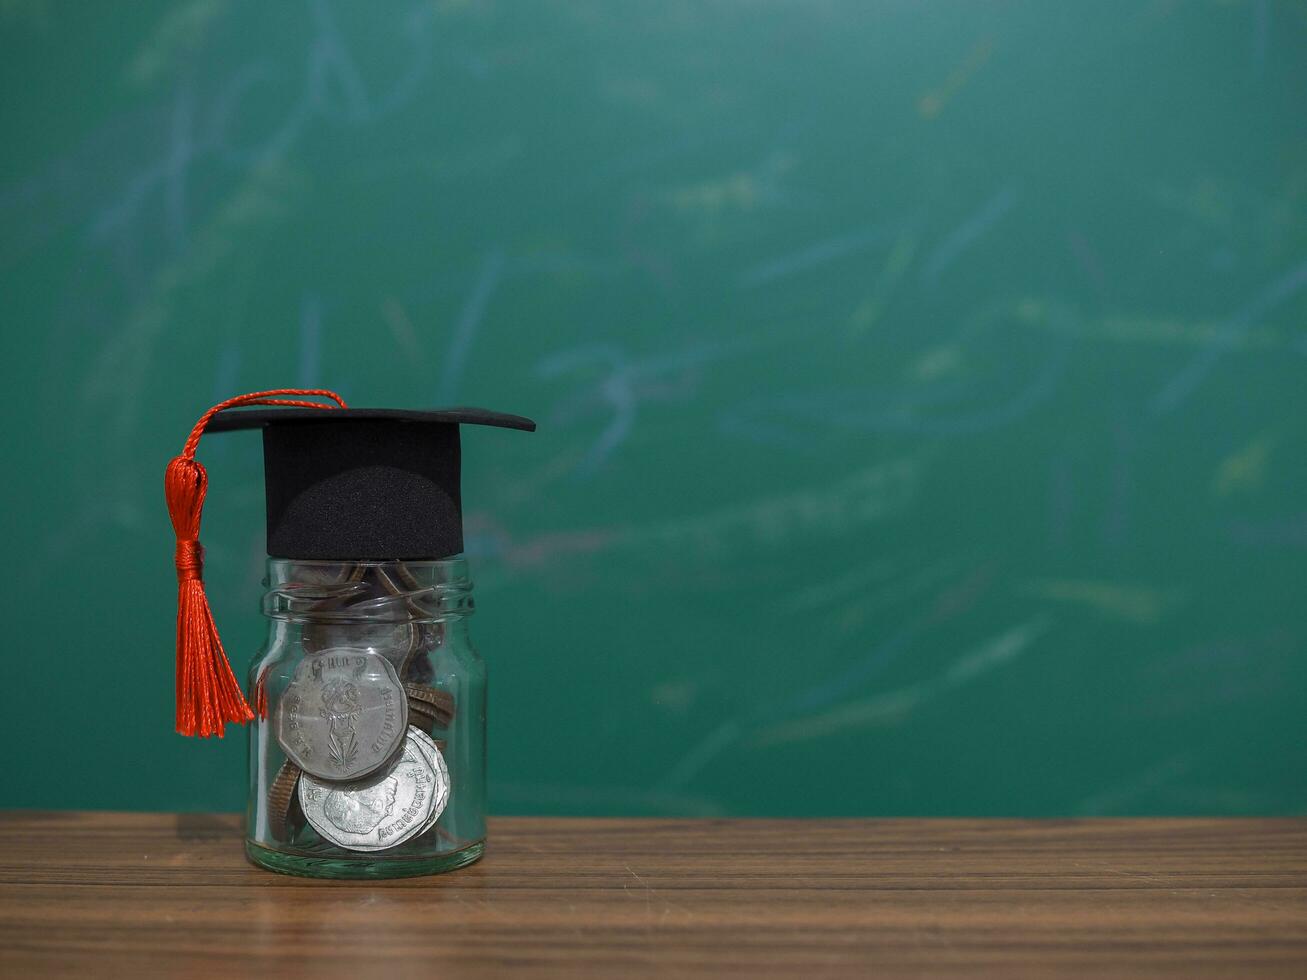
(441, 702)
(421, 716)
(343, 715)
(379, 813)
(321, 586)
(400, 582)
(327, 572)
(417, 666)
(441, 771)
(283, 808)
(352, 615)
(394, 641)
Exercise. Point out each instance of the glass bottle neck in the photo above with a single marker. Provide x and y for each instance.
(368, 593)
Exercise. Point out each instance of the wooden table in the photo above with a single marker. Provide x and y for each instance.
(117, 894)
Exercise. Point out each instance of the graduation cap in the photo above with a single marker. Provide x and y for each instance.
(342, 484)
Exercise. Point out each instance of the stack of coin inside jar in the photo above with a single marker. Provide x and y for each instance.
(356, 718)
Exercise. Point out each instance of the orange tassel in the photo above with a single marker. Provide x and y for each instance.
(208, 695)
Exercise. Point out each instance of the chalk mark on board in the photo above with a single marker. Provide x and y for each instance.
(867, 667)
(169, 173)
(891, 707)
(117, 375)
(949, 603)
(1289, 531)
(1261, 34)
(931, 103)
(625, 383)
(1116, 798)
(969, 232)
(327, 58)
(310, 351)
(226, 372)
(828, 509)
(331, 54)
(792, 418)
(854, 616)
(815, 255)
(1127, 602)
(402, 330)
(702, 753)
(1087, 260)
(743, 190)
(1121, 491)
(852, 583)
(1244, 470)
(469, 322)
(176, 39)
(869, 311)
(1226, 337)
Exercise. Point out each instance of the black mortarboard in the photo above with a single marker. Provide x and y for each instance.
(363, 483)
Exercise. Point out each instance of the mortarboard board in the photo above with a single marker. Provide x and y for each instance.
(363, 483)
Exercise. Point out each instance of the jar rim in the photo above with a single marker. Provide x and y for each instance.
(368, 591)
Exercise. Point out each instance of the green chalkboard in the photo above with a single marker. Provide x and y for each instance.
(920, 385)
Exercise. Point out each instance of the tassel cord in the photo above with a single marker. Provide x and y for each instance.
(208, 695)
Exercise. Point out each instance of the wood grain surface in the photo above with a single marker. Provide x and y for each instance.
(116, 894)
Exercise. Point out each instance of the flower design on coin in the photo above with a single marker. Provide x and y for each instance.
(343, 714)
(340, 708)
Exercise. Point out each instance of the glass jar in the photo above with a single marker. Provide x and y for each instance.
(368, 749)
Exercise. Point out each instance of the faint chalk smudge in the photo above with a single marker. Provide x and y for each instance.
(1087, 259)
(892, 706)
(690, 764)
(1226, 337)
(931, 103)
(226, 373)
(310, 353)
(1261, 34)
(1118, 798)
(812, 256)
(469, 321)
(1245, 469)
(852, 583)
(624, 384)
(1277, 532)
(965, 235)
(402, 330)
(1132, 603)
(175, 39)
(869, 311)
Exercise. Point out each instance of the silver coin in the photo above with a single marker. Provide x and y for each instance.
(378, 814)
(394, 641)
(343, 716)
(441, 771)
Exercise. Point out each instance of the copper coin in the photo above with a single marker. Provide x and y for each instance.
(441, 701)
(283, 807)
(327, 572)
(423, 717)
